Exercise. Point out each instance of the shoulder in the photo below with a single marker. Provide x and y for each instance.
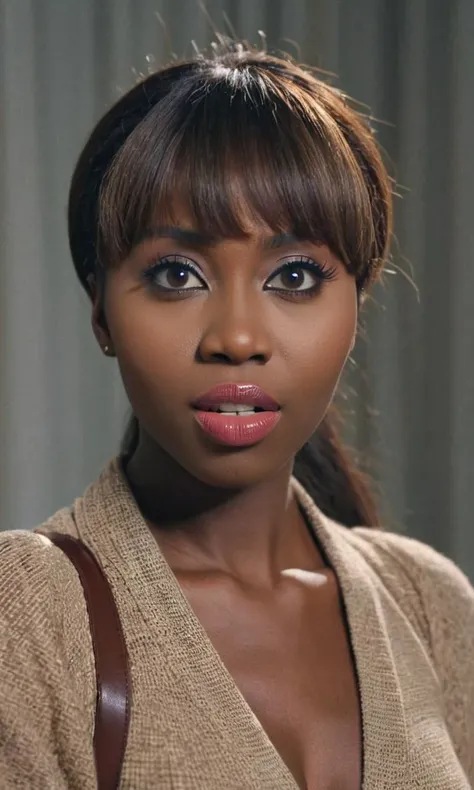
(438, 599)
(429, 586)
(43, 614)
(41, 599)
(46, 663)
(418, 570)
(32, 570)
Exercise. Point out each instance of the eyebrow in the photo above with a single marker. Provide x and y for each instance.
(199, 239)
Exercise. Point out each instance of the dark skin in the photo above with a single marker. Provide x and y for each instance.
(226, 519)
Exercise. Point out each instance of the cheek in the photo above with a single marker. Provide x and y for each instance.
(319, 345)
(154, 342)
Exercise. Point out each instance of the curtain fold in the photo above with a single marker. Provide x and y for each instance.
(62, 408)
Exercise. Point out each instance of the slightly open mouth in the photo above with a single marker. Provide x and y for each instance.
(233, 399)
(236, 410)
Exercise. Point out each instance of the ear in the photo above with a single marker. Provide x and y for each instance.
(99, 324)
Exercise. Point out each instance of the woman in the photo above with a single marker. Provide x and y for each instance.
(226, 218)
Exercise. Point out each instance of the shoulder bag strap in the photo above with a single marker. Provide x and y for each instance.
(111, 662)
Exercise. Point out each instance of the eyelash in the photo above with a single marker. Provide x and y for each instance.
(321, 272)
(161, 265)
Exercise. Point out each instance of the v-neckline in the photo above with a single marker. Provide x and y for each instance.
(142, 567)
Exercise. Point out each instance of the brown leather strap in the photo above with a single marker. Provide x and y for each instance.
(111, 662)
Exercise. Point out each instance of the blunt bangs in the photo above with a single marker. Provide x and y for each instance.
(233, 143)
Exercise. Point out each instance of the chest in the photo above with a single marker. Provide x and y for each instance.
(290, 657)
(253, 693)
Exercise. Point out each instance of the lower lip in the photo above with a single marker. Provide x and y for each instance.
(237, 431)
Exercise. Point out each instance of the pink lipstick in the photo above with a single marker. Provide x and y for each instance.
(237, 415)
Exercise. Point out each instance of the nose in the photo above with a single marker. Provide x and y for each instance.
(235, 334)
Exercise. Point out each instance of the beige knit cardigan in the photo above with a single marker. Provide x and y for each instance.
(411, 621)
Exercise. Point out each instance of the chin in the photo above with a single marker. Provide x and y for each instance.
(236, 469)
(220, 466)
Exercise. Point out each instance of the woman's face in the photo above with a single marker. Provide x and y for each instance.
(187, 313)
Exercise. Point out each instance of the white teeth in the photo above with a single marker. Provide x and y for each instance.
(235, 407)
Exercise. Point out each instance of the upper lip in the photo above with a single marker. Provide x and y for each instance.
(248, 394)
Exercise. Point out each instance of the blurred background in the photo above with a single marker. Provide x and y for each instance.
(410, 387)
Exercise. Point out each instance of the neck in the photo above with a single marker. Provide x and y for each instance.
(252, 533)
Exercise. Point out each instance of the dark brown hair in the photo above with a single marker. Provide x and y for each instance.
(236, 131)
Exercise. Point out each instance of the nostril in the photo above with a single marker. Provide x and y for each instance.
(231, 350)
(226, 359)
(222, 358)
(259, 358)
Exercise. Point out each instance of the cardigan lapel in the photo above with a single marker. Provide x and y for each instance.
(385, 740)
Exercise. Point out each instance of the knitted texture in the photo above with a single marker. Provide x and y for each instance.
(411, 621)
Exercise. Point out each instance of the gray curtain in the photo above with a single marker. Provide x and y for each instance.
(62, 409)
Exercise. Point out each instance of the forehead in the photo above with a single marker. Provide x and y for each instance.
(180, 214)
(180, 224)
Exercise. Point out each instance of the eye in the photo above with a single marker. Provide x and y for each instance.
(174, 274)
(301, 276)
